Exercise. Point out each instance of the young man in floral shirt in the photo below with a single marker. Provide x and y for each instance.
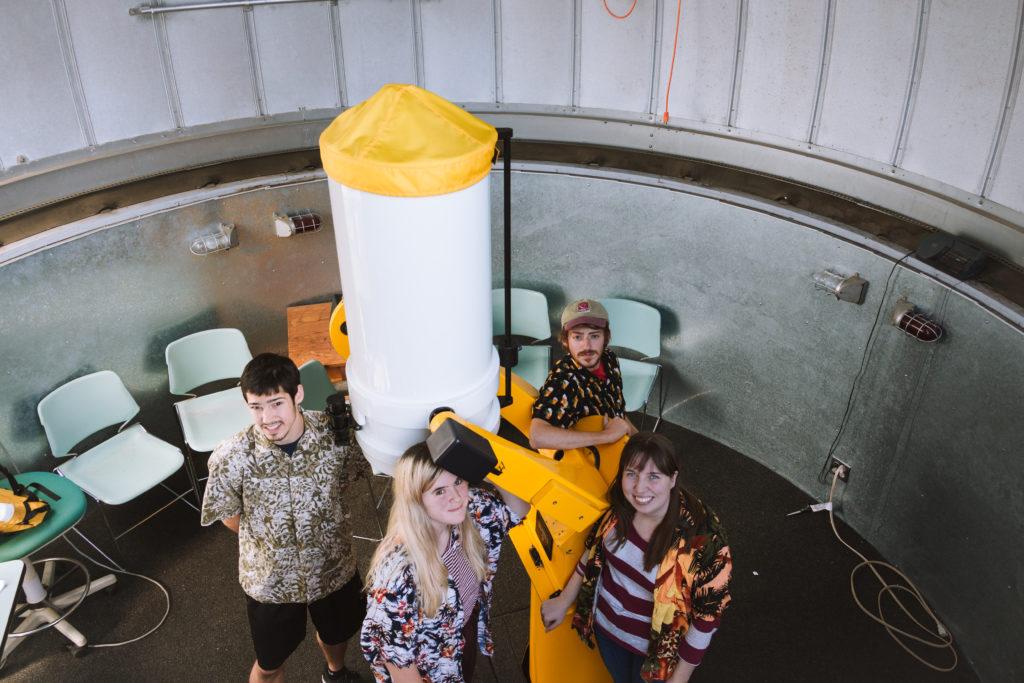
(279, 485)
(585, 382)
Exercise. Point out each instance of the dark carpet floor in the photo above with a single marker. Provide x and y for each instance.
(792, 617)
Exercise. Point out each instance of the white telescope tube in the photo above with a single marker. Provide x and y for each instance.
(408, 174)
(416, 277)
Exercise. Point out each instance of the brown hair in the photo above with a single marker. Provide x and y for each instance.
(269, 373)
(641, 448)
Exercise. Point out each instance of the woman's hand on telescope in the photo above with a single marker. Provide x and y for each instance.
(553, 610)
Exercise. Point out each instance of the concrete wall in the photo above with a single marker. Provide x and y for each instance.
(758, 359)
(755, 357)
(115, 299)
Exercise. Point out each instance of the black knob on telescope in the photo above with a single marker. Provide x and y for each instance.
(458, 449)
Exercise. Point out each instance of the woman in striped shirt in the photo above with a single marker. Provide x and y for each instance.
(654, 577)
(430, 580)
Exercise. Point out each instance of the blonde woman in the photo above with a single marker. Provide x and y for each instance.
(430, 581)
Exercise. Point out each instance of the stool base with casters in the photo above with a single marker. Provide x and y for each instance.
(40, 610)
(43, 610)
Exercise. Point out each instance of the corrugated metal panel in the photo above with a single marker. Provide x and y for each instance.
(868, 78)
(296, 40)
(616, 56)
(212, 67)
(37, 108)
(963, 78)
(379, 45)
(121, 79)
(1008, 185)
(780, 67)
(701, 86)
(458, 49)
(537, 39)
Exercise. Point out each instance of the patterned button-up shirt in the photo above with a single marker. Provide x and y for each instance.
(294, 538)
(571, 393)
(396, 631)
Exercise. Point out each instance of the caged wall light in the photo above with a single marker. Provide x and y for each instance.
(906, 317)
(221, 238)
(296, 223)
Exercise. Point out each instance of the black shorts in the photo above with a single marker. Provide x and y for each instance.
(277, 629)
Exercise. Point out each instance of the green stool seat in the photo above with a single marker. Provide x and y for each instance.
(64, 514)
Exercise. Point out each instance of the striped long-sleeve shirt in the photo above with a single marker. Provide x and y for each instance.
(625, 601)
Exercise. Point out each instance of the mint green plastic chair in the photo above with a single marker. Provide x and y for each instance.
(120, 468)
(40, 609)
(199, 359)
(316, 385)
(529, 319)
(636, 326)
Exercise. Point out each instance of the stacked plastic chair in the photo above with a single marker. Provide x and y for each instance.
(197, 360)
(120, 468)
(529, 320)
(637, 327)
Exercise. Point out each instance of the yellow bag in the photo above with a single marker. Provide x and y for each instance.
(20, 509)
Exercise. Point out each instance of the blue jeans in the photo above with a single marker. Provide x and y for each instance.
(623, 665)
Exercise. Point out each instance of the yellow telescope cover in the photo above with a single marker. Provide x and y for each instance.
(407, 142)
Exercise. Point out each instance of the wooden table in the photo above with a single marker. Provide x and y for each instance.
(309, 338)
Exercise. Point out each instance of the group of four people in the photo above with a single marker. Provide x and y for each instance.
(649, 590)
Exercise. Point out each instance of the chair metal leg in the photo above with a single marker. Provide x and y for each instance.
(190, 466)
(376, 509)
(181, 496)
(97, 549)
(661, 399)
(156, 512)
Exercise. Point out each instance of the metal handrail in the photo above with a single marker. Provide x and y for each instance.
(151, 9)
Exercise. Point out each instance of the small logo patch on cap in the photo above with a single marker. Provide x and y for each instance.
(583, 307)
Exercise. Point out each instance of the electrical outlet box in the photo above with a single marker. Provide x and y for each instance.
(836, 463)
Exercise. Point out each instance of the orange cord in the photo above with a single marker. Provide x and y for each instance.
(672, 67)
(628, 12)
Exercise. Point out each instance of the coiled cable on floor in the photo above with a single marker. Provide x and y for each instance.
(167, 598)
(939, 638)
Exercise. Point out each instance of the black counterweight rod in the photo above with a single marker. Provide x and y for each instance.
(509, 353)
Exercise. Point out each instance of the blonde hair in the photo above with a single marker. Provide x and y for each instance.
(410, 529)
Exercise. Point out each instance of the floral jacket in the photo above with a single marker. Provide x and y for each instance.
(692, 583)
(571, 393)
(395, 630)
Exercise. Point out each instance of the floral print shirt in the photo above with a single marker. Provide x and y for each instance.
(395, 629)
(294, 537)
(571, 393)
(692, 583)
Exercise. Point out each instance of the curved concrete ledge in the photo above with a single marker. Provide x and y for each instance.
(919, 198)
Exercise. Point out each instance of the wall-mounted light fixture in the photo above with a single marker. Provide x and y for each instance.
(914, 323)
(296, 223)
(221, 238)
(844, 287)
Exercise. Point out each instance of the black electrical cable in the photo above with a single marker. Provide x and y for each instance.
(865, 356)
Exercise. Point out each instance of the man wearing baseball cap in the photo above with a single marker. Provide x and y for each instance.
(585, 382)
